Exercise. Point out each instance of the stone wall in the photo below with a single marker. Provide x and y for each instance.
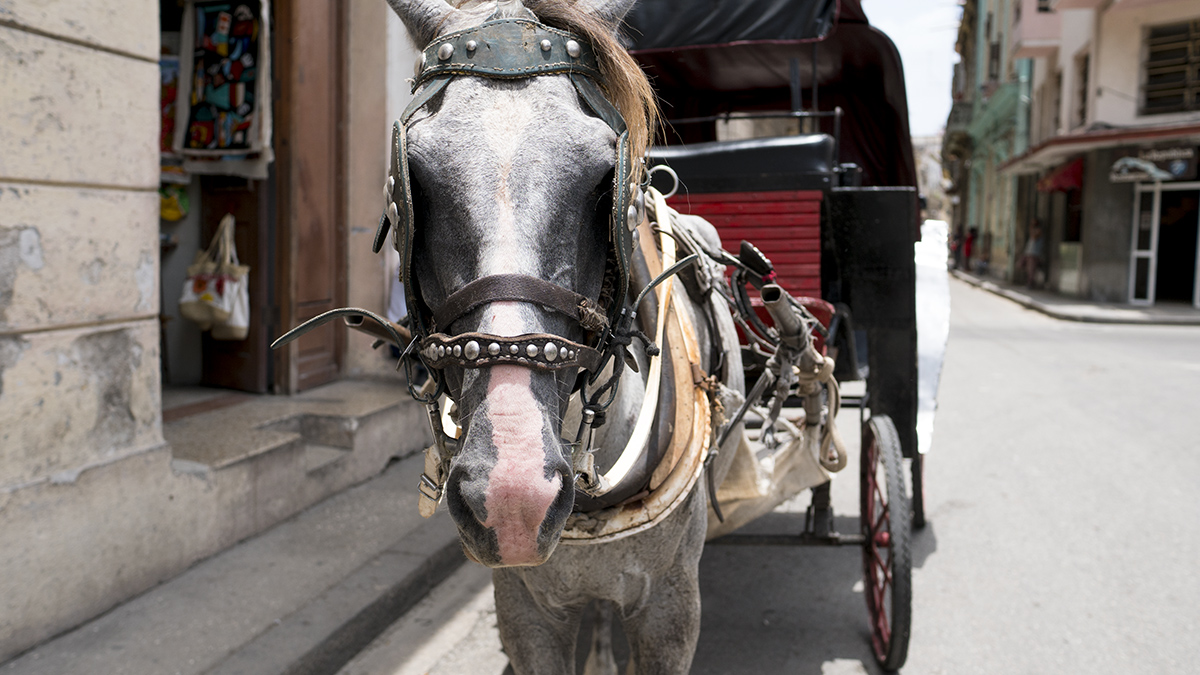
(79, 354)
(1107, 223)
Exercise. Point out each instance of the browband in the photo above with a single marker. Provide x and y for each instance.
(540, 351)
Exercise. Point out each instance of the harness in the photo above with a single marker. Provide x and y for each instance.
(512, 49)
(516, 49)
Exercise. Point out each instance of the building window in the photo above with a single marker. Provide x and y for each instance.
(1044, 6)
(1079, 115)
(1171, 75)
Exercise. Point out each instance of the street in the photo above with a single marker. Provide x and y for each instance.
(1061, 491)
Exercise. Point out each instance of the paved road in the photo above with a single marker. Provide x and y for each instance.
(1063, 492)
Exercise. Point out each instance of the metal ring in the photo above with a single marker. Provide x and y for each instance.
(669, 170)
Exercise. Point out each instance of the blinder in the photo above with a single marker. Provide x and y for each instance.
(512, 49)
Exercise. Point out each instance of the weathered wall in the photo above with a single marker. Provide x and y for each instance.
(79, 299)
(1107, 223)
(1117, 67)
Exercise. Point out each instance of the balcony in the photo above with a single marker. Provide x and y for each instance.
(1034, 34)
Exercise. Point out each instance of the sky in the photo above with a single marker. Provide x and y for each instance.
(924, 31)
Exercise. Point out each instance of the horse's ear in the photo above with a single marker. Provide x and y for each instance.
(609, 11)
(423, 18)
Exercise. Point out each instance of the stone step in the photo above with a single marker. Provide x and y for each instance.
(303, 597)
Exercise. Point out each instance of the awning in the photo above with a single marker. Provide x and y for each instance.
(1065, 178)
(1059, 149)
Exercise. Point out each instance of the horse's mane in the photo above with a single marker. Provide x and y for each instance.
(624, 82)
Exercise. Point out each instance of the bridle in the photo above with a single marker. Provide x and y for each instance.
(514, 49)
(511, 49)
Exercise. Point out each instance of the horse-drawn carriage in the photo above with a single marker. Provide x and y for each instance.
(832, 204)
(594, 353)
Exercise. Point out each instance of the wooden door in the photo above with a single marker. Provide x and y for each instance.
(309, 118)
(240, 364)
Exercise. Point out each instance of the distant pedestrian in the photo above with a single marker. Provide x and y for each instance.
(968, 244)
(956, 248)
(1031, 260)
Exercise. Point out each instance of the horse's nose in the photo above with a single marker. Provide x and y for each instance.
(510, 512)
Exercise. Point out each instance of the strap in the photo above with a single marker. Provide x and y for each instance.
(435, 85)
(392, 330)
(599, 104)
(540, 351)
(522, 288)
(507, 49)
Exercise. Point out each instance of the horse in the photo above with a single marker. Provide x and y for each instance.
(511, 190)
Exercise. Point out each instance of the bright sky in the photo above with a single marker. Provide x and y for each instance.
(924, 31)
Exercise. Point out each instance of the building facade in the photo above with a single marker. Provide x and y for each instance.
(1108, 164)
(105, 490)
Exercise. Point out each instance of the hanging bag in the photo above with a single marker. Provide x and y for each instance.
(216, 293)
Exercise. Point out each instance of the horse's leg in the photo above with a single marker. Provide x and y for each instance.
(663, 631)
(600, 660)
(538, 639)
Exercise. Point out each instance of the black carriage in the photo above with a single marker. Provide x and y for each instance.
(831, 202)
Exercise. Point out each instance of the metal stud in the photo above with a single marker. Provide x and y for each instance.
(514, 350)
(471, 45)
(573, 49)
(570, 353)
(546, 45)
(445, 51)
(531, 351)
(551, 351)
(388, 187)
(631, 217)
(457, 351)
(494, 349)
(471, 350)
(441, 351)
(393, 212)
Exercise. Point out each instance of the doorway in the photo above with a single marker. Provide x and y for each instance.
(1165, 256)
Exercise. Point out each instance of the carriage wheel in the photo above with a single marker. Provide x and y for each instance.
(887, 560)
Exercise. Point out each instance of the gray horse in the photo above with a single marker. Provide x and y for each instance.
(515, 177)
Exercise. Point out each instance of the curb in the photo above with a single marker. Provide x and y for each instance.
(325, 634)
(1050, 311)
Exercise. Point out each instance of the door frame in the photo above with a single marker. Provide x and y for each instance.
(1152, 254)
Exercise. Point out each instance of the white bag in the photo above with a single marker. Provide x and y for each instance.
(216, 293)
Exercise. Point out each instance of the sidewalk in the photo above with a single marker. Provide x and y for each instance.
(303, 597)
(1078, 309)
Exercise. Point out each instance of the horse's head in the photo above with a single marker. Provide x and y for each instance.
(514, 177)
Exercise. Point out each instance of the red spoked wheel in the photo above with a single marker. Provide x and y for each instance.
(886, 525)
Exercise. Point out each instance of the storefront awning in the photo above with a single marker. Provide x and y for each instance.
(1059, 149)
(1065, 178)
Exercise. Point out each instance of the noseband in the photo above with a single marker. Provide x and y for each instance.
(511, 49)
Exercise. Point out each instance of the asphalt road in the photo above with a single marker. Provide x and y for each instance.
(1063, 496)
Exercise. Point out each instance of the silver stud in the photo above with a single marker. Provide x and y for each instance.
(551, 351)
(457, 351)
(471, 45)
(471, 350)
(393, 212)
(531, 351)
(632, 217)
(494, 349)
(445, 51)
(441, 351)
(546, 45)
(570, 353)
(514, 350)
(573, 49)
(388, 187)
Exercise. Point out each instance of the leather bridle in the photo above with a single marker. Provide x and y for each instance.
(512, 49)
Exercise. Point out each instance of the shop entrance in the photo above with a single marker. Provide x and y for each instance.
(1165, 261)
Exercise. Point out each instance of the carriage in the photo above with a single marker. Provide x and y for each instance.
(786, 126)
